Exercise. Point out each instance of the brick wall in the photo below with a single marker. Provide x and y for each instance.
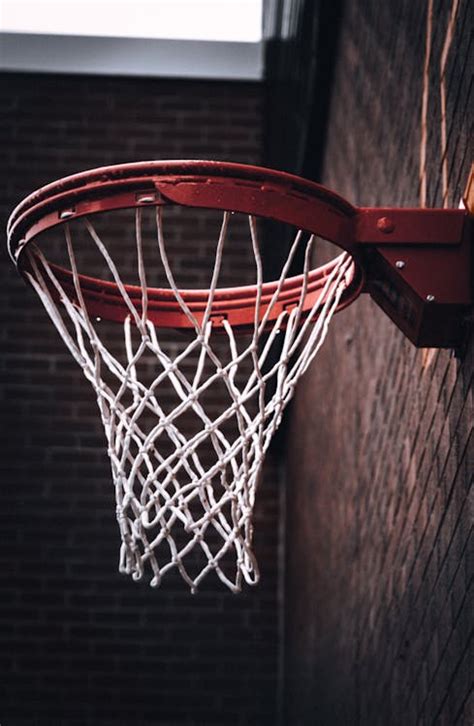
(380, 457)
(81, 644)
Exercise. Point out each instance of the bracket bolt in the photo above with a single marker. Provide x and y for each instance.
(430, 298)
(400, 264)
(146, 198)
(385, 225)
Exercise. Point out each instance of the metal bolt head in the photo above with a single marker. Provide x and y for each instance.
(400, 264)
(430, 298)
(385, 225)
(66, 213)
(146, 198)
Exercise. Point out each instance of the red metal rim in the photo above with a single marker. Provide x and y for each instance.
(215, 185)
(236, 305)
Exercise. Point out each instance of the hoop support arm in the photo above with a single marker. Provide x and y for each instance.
(418, 265)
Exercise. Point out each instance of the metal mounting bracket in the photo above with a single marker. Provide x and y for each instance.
(419, 267)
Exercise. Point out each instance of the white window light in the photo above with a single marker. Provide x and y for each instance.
(207, 20)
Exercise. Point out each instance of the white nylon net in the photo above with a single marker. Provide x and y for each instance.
(185, 478)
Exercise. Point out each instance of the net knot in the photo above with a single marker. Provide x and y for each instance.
(120, 514)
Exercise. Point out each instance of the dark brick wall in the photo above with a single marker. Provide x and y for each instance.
(79, 643)
(380, 457)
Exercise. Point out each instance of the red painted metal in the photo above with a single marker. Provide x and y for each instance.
(236, 305)
(389, 226)
(415, 263)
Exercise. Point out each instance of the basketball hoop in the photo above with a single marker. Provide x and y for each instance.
(179, 507)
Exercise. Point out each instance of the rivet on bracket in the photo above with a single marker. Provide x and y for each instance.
(385, 225)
